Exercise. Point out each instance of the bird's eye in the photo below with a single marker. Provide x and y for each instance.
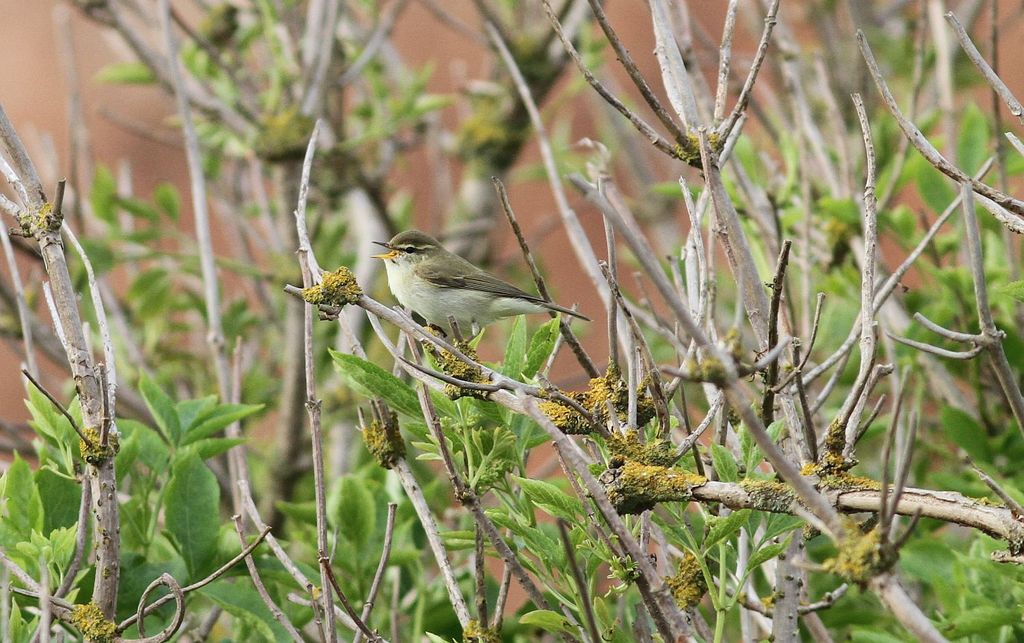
(410, 249)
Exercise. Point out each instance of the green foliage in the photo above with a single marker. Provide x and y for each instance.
(126, 73)
(551, 499)
(172, 435)
(351, 510)
(372, 381)
(191, 514)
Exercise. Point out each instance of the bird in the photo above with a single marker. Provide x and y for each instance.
(435, 283)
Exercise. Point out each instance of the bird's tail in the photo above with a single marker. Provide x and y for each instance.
(562, 309)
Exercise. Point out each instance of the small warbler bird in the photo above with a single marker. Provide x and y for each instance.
(435, 283)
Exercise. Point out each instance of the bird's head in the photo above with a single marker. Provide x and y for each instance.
(409, 247)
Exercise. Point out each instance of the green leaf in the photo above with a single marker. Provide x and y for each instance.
(373, 381)
(722, 528)
(979, 620)
(766, 553)
(551, 499)
(152, 451)
(20, 505)
(103, 195)
(217, 419)
(515, 350)
(972, 145)
(189, 411)
(1013, 289)
(54, 428)
(126, 73)
(872, 635)
(548, 621)
(725, 464)
(966, 433)
(191, 513)
(17, 627)
(748, 449)
(777, 524)
(167, 199)
(162, 408)
(211, 447)
(60, 499)
(245, 605)
(303, 512)
(541, 344)
(932, 185)
(351, 510)
(138, 209)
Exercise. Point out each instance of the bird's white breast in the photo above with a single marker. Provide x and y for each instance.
(435, 303)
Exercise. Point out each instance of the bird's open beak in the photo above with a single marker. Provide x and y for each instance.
(390, 254)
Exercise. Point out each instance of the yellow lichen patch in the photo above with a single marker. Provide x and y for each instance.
(474, 632)
(89, 620)
(846, 482)
(769, 495)
(220, 24)
(45, 219)
(451, 364)
(384, 442)
(283, 136)
(335, 289)
(628, 446)
(634, 487)
(835, 438)
(486, 136)
(687, 584)
(91, 451)
(608, 388)
(860, 556)
(689, 152)
(831, 461)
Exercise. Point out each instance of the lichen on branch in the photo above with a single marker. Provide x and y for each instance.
(687, 584)
(384, 440)
(335, 289)
(634, 487)
(608, 388)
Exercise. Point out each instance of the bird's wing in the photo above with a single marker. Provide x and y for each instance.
(477, 280)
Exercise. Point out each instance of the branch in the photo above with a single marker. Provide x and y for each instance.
(220, 571)
(918, 140)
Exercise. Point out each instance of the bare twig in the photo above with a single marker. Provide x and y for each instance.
(986, 70)
(426, 518)
(176, 592)
(261, 589)
(726, 127)
(778, 283)
(313, 405)
(220, 571)
(389, 532)
(60, 407)
(197, 183)
(867, 287)
(538, 278)
(346, 605)
(922, 144)
(1015, 507)
(581, 583)
(19, 295)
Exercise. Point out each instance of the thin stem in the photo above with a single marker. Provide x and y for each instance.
(378, 576)
(261, 589)
(197, 183)
(538, 278)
